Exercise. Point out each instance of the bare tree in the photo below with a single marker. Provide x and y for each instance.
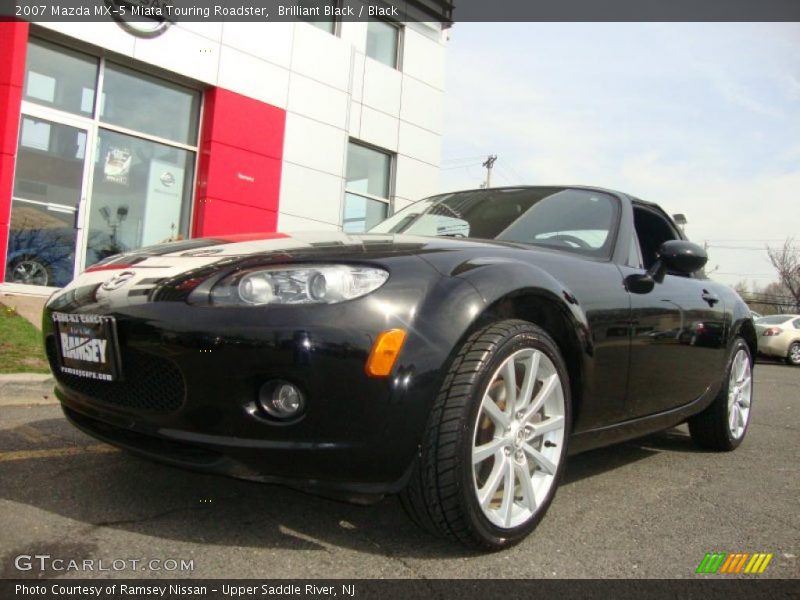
(786, 260)
(771, 299)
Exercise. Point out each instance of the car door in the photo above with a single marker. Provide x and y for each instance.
(678, 330)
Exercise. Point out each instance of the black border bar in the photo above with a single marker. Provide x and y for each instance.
(443, 11)
(433, 589)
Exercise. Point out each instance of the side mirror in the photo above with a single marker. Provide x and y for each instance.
(673, 255)
(682, 256)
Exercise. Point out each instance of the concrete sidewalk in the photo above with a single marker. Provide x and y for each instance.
(27, 306)
(27, 389)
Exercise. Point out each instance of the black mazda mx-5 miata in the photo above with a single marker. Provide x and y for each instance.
(453, 354)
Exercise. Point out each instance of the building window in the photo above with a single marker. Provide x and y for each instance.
(383, 42)
(105, 164)
(136, 101)
(60, 78)
(367, 190)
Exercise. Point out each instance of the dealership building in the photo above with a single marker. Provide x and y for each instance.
(115, 136)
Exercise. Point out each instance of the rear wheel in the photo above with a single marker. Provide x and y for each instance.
(793, 356)
(495, 446)
(722, 426)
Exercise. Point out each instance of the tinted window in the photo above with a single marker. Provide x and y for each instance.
(652, 229)
(581, 221)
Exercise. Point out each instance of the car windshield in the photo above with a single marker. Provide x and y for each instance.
(576, 220)
(773, 320)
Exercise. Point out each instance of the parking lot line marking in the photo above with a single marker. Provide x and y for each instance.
(31, 434)
(56, 452)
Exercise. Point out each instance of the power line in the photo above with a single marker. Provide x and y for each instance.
(473, 164)
(508, 168)
(472, 158)
(741, 240)
(737, 248)
(753, 275)
(506, 179)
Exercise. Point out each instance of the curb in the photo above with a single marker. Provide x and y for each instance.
(27, 388)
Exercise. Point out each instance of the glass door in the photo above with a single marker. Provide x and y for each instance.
(49, 184)
(105, 164)
(138, 190)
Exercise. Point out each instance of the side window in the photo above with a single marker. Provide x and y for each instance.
(652, 229)
(634, 253)
(796, 323)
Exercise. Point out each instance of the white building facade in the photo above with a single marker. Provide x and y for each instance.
(117, 140)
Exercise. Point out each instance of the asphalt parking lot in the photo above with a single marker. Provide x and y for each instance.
(649, 508)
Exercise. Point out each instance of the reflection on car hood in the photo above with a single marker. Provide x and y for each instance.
(300, 244)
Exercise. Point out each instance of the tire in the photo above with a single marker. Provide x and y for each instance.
(472, 450)
(793, 355)
(723, 425)
(30, 270)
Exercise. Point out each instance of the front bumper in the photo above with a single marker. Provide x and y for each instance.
(191, 377)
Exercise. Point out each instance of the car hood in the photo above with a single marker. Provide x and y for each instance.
(131, 276)
(298, 245)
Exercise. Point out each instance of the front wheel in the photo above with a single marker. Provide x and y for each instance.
(723, 424)
(496, 443)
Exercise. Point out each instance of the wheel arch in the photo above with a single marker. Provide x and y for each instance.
(514, 289)
(538, 306)
(747, 331)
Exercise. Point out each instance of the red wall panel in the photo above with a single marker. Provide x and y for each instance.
(236, 120)
(10, 102)
(238, 175)
(13, 47)
(219, 217)
(239, 168)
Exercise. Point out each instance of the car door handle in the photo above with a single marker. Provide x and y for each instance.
(712, 299)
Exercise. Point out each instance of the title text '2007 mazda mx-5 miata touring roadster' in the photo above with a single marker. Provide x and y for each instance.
(454, 354)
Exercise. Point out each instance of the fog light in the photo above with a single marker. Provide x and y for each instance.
(281, 399)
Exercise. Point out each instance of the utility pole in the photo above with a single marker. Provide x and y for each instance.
(489, 164)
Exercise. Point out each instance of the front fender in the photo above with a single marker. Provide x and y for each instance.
(498, 279)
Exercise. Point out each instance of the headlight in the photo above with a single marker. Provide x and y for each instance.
(306, 284)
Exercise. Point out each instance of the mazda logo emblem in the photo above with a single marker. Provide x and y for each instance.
(118, 280)
(122, 11)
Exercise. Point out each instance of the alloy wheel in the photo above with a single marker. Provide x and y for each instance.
(740, 392)
(519, 434)
(30, 272)
(794, 354)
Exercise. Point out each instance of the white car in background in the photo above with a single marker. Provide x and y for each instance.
(779, 336)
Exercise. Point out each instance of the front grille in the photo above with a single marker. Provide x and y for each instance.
(151, 383)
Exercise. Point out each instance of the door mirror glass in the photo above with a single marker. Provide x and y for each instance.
(682, 257)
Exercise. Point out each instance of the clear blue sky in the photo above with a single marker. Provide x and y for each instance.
(702, 118)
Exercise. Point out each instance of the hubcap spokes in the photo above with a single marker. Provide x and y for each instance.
(740, 392)
(518, 439)
(29, 272)
(794, 353)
